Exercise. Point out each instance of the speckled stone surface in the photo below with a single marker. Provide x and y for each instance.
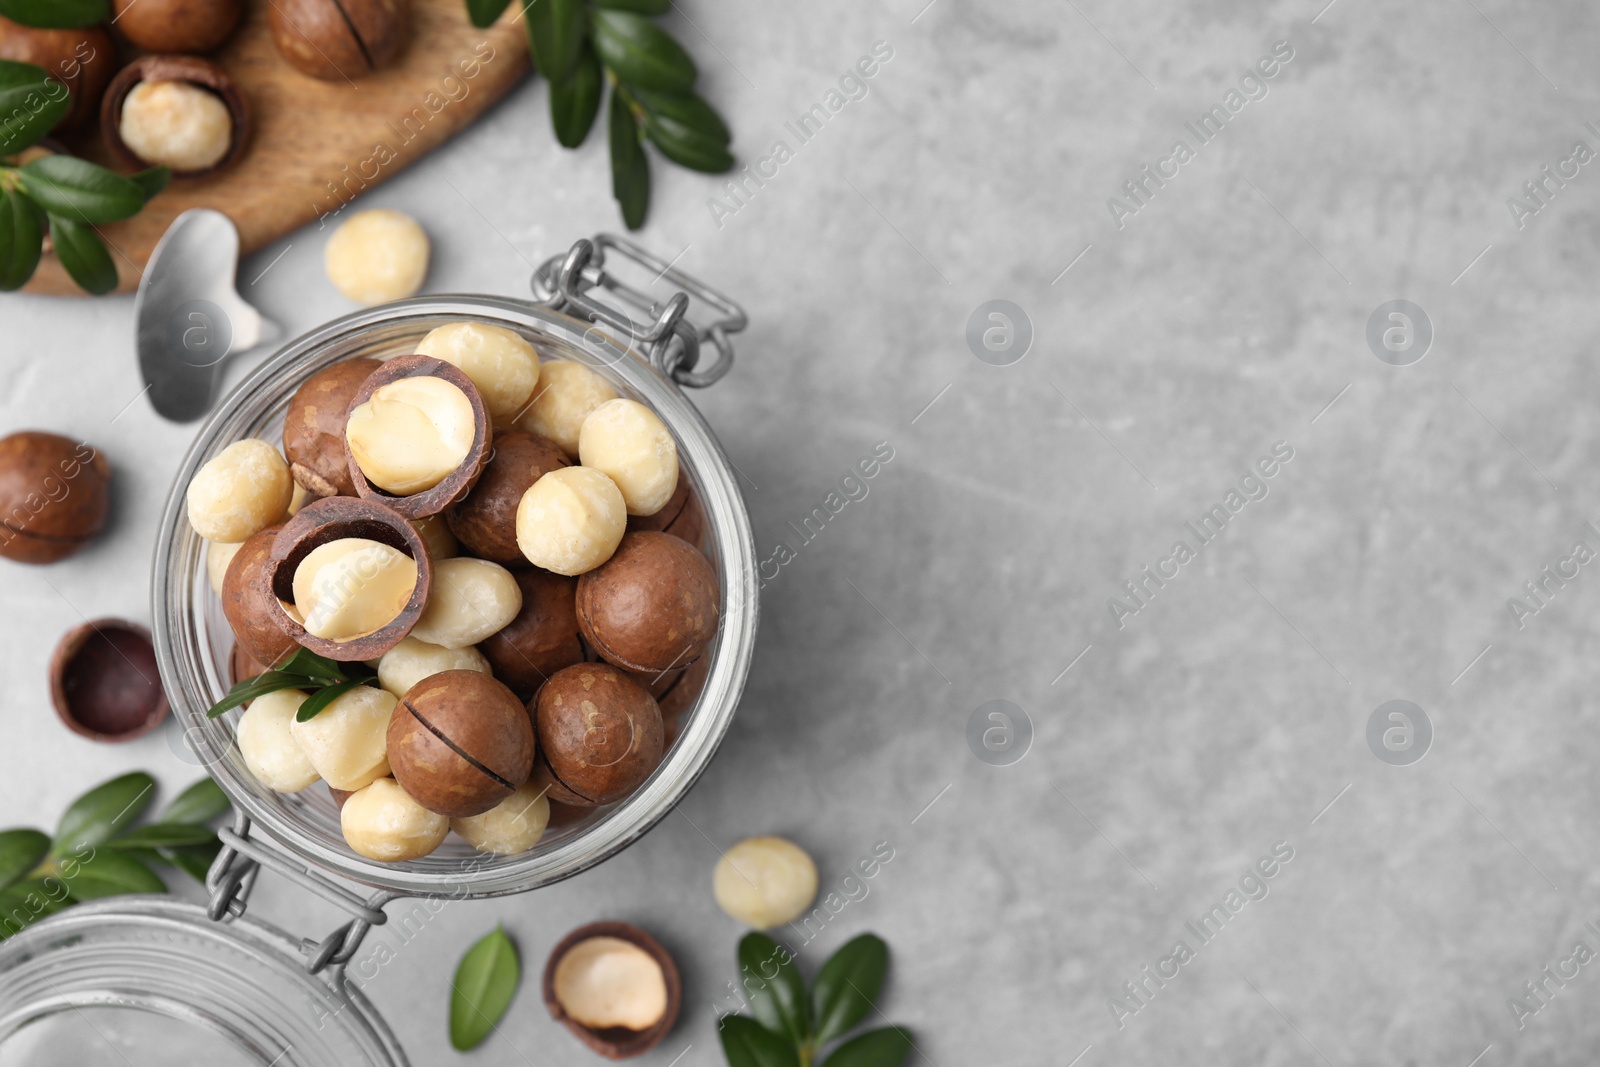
(1173, 748)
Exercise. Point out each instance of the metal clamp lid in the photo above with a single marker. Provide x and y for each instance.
(671, 343)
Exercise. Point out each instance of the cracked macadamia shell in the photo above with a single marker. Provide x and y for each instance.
(176, 124)
(351, 587)
(382, 822)
(629, 443)
(239, 492)
(571, 520)
(460, 743)
(653, 606)
(514, 825)
(765, 882)
(567, 392)
(257, 617)
(267, 743)
(602, 982)
(313, 427)
(347, 742)
(500, 362)
(600, 732)
(377, 256)
(411, 434)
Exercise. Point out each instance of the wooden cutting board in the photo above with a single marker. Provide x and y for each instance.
(317, 144)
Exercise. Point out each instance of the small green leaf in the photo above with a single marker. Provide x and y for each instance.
(31, 102)
(575, 100)
(151, 181)
(20, 852)
(96, 816)
(21, 239)
(686, 146)
(163, 835)
(555, 32)
(193, 860)
(199, 804)
(630, 168)
(746, 1043)
(776, 990)
(80, 190)
(642, 7)
(642, 53)
(306, 662)
(111, 874)
(485, 982)
(847, 985)
(27, 902)
(83, 254)
(314, 704)
(875, 1048)
(687, 108)
(484, 12)
(260, 686)
(56, 14)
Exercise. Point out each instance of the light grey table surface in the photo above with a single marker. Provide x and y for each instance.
(1229, 715)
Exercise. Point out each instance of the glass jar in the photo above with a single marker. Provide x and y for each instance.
(193, 640)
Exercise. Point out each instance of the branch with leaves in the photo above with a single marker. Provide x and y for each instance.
(791, 1027)
(583, 46)
(322, 680)
(97, 852)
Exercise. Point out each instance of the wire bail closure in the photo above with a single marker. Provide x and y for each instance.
(670, 343)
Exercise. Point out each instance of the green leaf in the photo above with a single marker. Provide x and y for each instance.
(687, 146)
(111, 874)
(642, 7)
(83, 254)
(686, 108)
(21, 239)
(777, 992)
(746, 1043)
(847, 985)
(151, 181)
(27, 902)
(313, 705)
(260, 686)
(642, 53)
(80, 190)
(575, 100)
(163, 835)
(56, 14)
(630, 169)
(31, 102)
(20, 852)
(555, 32)
(484, 12)
(96, 816)
(306, 662)
(193, 860)
(485, 982)
(199, 804)
(875, 1048)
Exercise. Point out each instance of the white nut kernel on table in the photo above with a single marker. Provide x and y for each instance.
(409, 662)
(351, 587)
(605, 982)
(436, 537)
(240, 492)
(571, 520)
(348, 741)
(377, 256)
(627, 441)
(500, 362)
(411, 434)
(268, 746)
(765, 882)
(176, 124)
(382, 822)
(218, 555)
(470, 600)
(567, 392)
(514, 825)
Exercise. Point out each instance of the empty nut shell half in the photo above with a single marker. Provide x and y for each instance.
(104, 681)
(459, 482)
(331, 519)
(313, 427)
(193, 70)
(614, 1042)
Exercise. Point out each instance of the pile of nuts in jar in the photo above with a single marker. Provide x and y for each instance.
(510, 546)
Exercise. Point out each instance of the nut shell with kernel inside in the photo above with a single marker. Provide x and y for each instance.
(257, 618)
(460, 743)
(600, 733)
(652, 606)
(313, 428)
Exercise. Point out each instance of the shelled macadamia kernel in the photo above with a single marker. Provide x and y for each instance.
(627, 442)
(412, 660)
(765, 882)
(442, 544)
(176, 124)
(377, 256)
(218, 555)
(567, 392)
(471, 599)
(514, 825)
(348, 741)
(241, 491)
(351, 587)
(500, 362)
(571, 520)
(411, 434)
(382, 822)
(267, 743)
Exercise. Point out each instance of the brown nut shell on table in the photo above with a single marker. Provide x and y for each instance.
(485, 520)
(570, 987)
(456, 484)
(82, 60)
(104, 681)
(652, 606)
(336, 518)
(600, 733)
(260, 625)
(55, 496)
(313, 427)
(460, 743)
(543, 638)
(176, 25)
(203, 74)
(338, 40)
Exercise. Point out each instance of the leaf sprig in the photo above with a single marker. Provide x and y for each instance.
(791, 1028)
(485, 982)
(62, 194)
(322, 679)
(582, 46)
(94, 854)
(56, 14)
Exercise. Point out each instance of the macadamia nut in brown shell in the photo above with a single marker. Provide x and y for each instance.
(338, 40)
(486, 519)
(55, 495)
(313, 427)
(600, 732)
(460, 743)
(653, 606)
(82, 60)
(543, 638)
